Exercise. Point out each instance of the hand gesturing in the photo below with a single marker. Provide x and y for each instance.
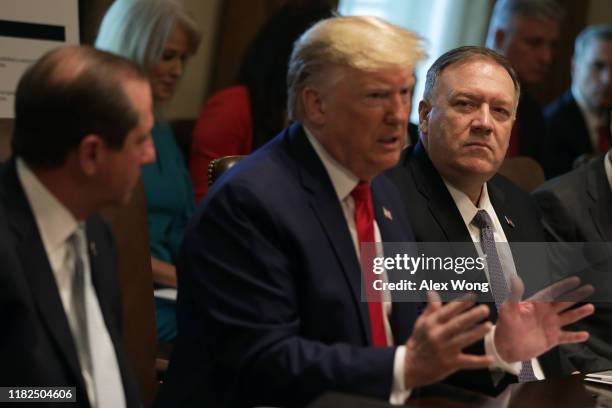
(529, 328)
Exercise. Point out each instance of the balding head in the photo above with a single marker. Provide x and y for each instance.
(67, 94)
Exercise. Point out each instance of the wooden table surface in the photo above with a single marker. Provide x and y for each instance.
(566, 392)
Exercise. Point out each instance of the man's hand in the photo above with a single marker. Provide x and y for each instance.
(527, 329)
(434, 350)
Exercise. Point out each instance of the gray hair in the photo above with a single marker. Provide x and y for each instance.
(466, 53)
(505, 11)
(364, 43)
(601, 32)
(139, 29)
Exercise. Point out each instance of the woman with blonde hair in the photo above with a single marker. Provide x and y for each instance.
(159, 35)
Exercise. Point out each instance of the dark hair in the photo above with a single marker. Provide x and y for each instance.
(67, 94)
(465, 53)
(264, 68)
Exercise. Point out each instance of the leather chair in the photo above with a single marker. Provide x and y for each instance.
(523, 171)
(6, 131)
(219, 166)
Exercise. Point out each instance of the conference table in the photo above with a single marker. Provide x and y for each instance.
(567, 392)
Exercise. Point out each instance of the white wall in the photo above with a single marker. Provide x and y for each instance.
(194, 84)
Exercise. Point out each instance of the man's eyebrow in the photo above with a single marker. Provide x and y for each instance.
(464, 94)
(470, 95)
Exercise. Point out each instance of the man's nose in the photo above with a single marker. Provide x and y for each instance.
(482, 118)
(398, 109)
(148, 153)
(546, 54)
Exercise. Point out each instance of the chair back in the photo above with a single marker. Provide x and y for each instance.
(130, 228)
(217, 167)
(523, 171)
(6, 132)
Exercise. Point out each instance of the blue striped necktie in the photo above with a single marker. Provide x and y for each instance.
(499, 285)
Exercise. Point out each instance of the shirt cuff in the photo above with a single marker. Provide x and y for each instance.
(512, 368)
(499, 363)
(399, 393)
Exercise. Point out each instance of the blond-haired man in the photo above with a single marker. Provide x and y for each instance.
(270, 309)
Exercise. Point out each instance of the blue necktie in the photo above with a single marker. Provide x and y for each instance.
(499, 285)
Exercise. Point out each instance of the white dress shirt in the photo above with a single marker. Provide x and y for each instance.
(344, 182)
(56, 224)
(468, 211)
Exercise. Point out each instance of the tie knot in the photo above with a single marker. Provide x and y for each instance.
(361, 193)
(482, 219)
(76, 239)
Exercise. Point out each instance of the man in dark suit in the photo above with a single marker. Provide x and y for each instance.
(82, 122)
(578, 122)
(526, 32)
(451, 193)
(269, 304)
(577, 207)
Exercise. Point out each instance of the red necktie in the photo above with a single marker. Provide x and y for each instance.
(364, 221)
(603, 133)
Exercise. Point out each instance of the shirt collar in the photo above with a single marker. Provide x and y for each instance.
(466, 207)
(54, 221)
(341, 178)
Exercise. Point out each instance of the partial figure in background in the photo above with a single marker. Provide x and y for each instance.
(578, 122)
(241, 118)
(526, 32)
(577, 207)
(159, 36)
(82, 130)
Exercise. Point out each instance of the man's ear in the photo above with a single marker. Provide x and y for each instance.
(500, 37)
(90, 153)
(424, 109)
(314, 106)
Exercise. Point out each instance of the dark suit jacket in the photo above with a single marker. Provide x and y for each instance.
(36, 347)
(269, 308)
(530, 122)
(434, 217)
(567, 135)
(413, 133)
(577, 207)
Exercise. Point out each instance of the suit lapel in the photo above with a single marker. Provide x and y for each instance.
(31, 251)
(503, 212)
(99, 274)
(600, 203)
(392, 229)
(441, 204)
(325, 205)
(386, 220)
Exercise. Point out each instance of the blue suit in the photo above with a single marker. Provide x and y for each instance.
(269, 307)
